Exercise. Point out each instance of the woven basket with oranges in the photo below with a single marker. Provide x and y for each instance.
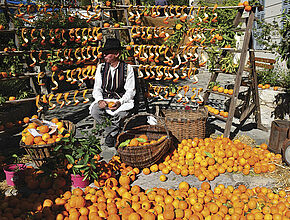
(39, 137)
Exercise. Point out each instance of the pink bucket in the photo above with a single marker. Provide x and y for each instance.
(13, 174)
(77, 181)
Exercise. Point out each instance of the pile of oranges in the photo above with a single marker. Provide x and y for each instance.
(207, 158)
(216, 111)
(45, 138)
(221, 89)
(118, 200)
(267, 86)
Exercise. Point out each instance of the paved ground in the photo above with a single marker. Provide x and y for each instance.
(83, 121)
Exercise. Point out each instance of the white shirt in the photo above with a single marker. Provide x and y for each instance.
(129, 86)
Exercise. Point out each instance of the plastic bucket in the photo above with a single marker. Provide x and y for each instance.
(13, 173)
(77, 181)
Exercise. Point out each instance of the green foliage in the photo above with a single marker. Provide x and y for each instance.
(275, 77)
(177, 38)
(284, 46)
(268, 30)
(225, 27)
(269, 77)
(11, 64)
(3, 20)
(80, 152)
(18, 88)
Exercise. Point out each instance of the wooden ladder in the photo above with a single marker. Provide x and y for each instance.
(248, 108)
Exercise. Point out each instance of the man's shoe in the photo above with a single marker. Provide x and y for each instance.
(110, 141)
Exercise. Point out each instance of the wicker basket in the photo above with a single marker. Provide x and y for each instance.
(40, 153)
(144, 156)
(185, 124)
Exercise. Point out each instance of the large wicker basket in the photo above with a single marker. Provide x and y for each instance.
(185, 124)
(144, 156)
(40, 153)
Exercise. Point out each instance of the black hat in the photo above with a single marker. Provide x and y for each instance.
(112, 44)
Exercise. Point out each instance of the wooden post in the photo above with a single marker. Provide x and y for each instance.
(239, 73)
(256, 99)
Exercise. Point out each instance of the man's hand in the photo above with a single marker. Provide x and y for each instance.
(102, 104)
(115, 106)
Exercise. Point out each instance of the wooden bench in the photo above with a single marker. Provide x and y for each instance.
(262, 63)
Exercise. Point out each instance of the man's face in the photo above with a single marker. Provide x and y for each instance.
(111, 56)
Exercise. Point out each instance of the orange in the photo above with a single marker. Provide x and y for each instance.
(183, 186)
(134, 142)
(134, 216)
(231, 91)
(37, 139)
(59, 125)
(116, 25)
(178, 26)
(264, 146)
(29, 140)
(154, 168)
(77, 192)
(215, 88)
(84, 211)
(54, 120)
(46, 137)
(169, 214)
(47, 203)
(163, 178)
(26, 120)
(34, 116)
(248, 8)
(12, 98)
(110, 104)
(106, 25)
(144, 136)
(43, 129)
(146, 171)
(246, 3)
(220, 89)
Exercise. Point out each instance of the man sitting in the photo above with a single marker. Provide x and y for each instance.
(114, 90)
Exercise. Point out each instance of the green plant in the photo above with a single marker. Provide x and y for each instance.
(179, 31)
(81, 154)
(267, 31)
(15, 160)
(124, 53)
(269, 77)
(19, 88)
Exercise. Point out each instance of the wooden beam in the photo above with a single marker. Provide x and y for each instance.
(247, 112)
(256, 98)
(243, 57)
(213, 78)
(238, 17)
(265, 60)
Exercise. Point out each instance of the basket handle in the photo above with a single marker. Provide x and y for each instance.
(146, 114)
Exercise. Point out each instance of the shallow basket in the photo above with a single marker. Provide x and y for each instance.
(186, 124)
(40, 153)
(144, 156)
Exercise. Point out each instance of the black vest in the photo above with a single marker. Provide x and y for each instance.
(113, 88)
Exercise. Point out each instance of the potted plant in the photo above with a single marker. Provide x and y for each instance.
(13, 171)
(82, 155)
